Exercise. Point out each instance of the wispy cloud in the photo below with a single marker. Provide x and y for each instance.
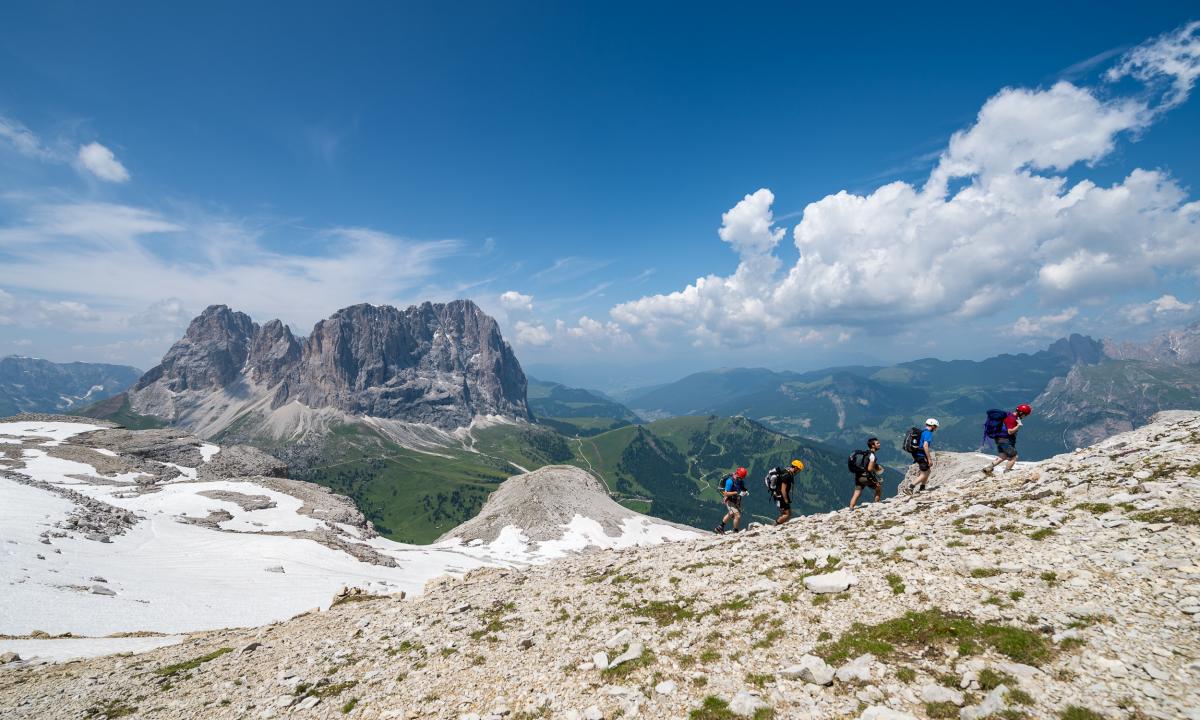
(570, 268)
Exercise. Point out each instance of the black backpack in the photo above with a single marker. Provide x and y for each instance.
(774, 477)
(738, 485)
(857, 462)
(912, 441)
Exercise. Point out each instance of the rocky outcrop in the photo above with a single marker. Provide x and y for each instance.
(439, 364)
(542, 502)
(1064, 589)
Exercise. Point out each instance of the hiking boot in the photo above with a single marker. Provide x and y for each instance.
(907, 490)
(989, 469)
(720, 529)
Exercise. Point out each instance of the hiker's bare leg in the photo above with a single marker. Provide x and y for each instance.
(1011, 461)
(854, 497)
(878, 493)
(737, 518)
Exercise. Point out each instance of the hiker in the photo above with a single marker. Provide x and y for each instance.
(733, 489)
(779, 483)
(866, 469)
(1003, 430)
(922, 455)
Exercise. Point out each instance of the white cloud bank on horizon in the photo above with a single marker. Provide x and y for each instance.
(987, 231)
(146, 271)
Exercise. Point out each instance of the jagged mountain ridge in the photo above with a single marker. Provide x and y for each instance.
(441, 365)
(36, 385)
(1174, 347)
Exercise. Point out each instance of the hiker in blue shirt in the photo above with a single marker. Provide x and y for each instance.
(923, 457)
(733, 489)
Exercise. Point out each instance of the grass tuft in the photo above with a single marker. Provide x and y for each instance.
(1076, 712)
(917, 630)
(1179, 516)
(192, 664)
(896, 583)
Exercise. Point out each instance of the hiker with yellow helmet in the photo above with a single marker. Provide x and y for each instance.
(779, 483)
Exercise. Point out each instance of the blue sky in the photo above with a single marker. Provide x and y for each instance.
(569, 166)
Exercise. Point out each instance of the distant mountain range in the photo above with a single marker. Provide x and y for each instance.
(419, 414)
(34, 385)
(1081, 389)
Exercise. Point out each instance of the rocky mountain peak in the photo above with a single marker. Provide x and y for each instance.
(1078, 349)
(435, 363)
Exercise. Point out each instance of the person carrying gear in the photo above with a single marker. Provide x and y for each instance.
(922, 456)
(779, 483)
(733, 489)
(866, 469)
(1004, 432)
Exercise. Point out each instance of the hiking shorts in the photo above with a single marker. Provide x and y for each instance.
(734, 505)
(782, 504)
(1007, 448)
(865, 481)
(922, 461)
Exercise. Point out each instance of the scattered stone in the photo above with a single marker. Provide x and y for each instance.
(745, 703)
(8, 657)
(810, 669)
(882, 712)
(857, 669)
(101, 590)
(940, 693)
(666, 687)
(634, 652)
(833, 582)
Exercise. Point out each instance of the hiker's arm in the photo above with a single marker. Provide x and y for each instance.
(928, 453)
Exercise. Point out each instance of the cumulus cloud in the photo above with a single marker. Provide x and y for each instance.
(513, 300)
(990, 225)
(1142, 313)
(100, 161)
(748, 225)
(1045, 325)
(529, 333)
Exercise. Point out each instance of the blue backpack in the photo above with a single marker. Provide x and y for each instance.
(994, 428)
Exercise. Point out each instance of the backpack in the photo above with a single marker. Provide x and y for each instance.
(738, 485)
(994, 427)
(857, 462)
(773, 479)
(912, 441)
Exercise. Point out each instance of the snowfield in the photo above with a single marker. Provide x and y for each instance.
(168, 574)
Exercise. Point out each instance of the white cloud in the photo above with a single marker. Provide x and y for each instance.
(1174, 56)
(513, 300)
(1142, 313)
(534, 334)
(132, 258)
(599, 334)
(22, 139)
(167, 313)
(100, 161)
(61, 312)
(1046, 325)
(950, 249)
(22, 342)
(747, 226)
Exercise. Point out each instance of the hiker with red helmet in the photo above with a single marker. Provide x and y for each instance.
(733, 489)
(1002, 428)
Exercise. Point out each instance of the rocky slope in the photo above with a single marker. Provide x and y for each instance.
(434, 364)
(108, 530)
(34, 385)
(1069, 588)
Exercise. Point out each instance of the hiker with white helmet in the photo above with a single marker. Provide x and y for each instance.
(921, 448)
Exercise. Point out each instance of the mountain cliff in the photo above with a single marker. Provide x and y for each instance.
(35, 385)
(1173, 347)
(436, 364)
